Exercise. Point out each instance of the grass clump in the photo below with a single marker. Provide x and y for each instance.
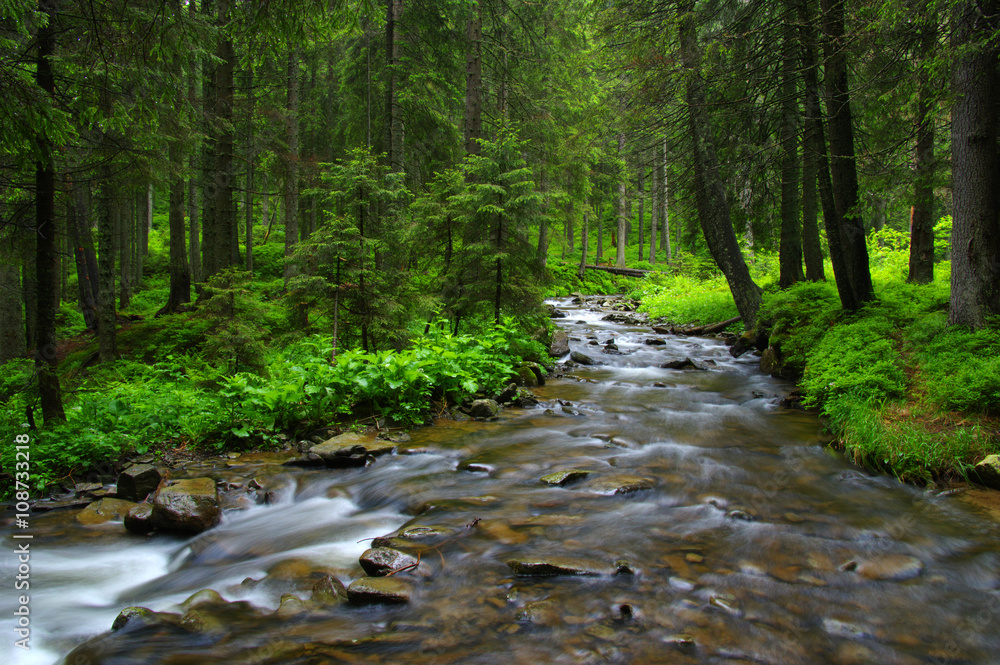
(682, 299)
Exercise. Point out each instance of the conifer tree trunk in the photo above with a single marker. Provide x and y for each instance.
(85, 258)
(600, 234)
(584, 231)
(291, 186)
(474, 80)
(12, 340)
(665, 207)
(106, 328)
(621, 209)
(46, 358)
(843, 164)
(393, 113)
(226, 248)
(710, 195)
(975, 233)
(790, 243)
(641, 185)
(922, 219)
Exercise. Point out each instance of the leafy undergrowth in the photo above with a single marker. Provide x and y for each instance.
(132, 406)
(905, 393)
(565, 279)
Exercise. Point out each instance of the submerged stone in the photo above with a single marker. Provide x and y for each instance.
(370, 590)
(621, 484)
(890, 567)
(556, 565)
(565, 477)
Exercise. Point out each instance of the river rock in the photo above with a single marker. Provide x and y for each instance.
(137, 482)
(988, 471)
(769, 360)
(134, 618)
(379, 561)
(556, 565)
(190, 505)
(582, 358)
(622, 483)
(565, 477)
(539, 371)
(484, 408)
(685, 363)
(652, 341)
(559, 345)
(541, 613)
(139, 518)
(350, 449)
(370, 590)
(525, 377)
(104, 510)
(891, 567)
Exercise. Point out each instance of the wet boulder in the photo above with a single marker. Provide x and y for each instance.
(134, 618)
(559, 345)
(350, 449)
(988, 471)
(582, 358)
(375, 590)
(683, 363)
(554, 312)
(525, 377)
(139, 518)
(189, 506)
(104, 510)
(137, 482)
(484, 408)
(889, 567)
(538, 371)
(379, 561)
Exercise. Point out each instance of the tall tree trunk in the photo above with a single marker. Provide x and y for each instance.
(584, 232)
(812, 249)
(46, 357)
(12, 340)
(710, 194)
(621, 208)
(474, 80)
(665, 207)
(291, 185)
(790, 244)
(922, 219)
(251, 170)
(227, 249)
(641, 186)
(107, 329)
(600, 233)
(654, 204)
(393, 113)
(209, 199)
(843, 165)
(84, 255)
(975, 231)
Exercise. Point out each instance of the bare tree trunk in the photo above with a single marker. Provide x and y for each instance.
(665, 236)
(843, 165)
(107, 324)
(474, 80)
(975, 233)
(600, 234)
(227, 249)
(710, 195)
(922, 220)
(641, 185)
(13, 343)
(654, 205)
(584, 231)
(790, 242)
(86, 258)
(291, 186)
(393, 113)
(620, 205)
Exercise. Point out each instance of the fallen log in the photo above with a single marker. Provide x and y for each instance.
(695, 331)
(628, 272)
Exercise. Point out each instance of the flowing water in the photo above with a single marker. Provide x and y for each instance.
(745, 541)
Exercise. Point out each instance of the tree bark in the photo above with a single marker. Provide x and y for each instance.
(665, 214)
(226, 248)
(209, 200)
(474, 80)
(620, 206)
(641, 186)
(107, 328)
(790, 243)
(393, 113)
(843, 165)
(291, 185)
(922, 219)
(46, 357)
(975, 232)
(654, 205)
(12, 340)
(584, 233)
(710, 194)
